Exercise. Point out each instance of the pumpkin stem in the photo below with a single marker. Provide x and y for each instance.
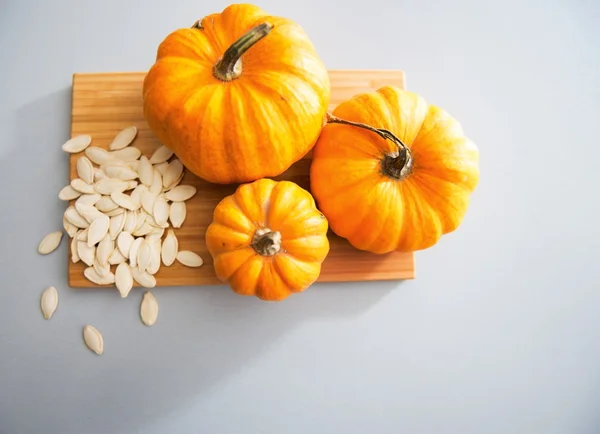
(229, 67)
(266, 242)
(397, 165)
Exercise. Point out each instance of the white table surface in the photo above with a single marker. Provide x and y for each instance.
(500, 331)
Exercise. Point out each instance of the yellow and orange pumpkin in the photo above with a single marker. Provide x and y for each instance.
(392, 172)
(268, 239)
(239, 96)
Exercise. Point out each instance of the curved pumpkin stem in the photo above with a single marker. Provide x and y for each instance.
(397, 165)
(229, 67)
(266, 242)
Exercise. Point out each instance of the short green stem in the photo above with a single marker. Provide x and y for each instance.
(229, 67)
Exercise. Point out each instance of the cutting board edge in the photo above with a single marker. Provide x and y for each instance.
(404, 275)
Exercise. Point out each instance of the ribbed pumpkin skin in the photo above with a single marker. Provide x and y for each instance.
(282, 207)
(254, 126)
(374, 211)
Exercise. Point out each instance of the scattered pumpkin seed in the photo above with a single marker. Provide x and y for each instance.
(123, 138)
(68, 193)
(149, 309)
(50, 242)
(123, 279)
(49, 301)
(77, 144)
(93, 339)
(161, 155)
(189, 259)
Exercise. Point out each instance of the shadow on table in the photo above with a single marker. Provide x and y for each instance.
(221, 334)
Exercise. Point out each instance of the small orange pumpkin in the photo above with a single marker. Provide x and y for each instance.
(393, 173)
(240, 96)
(268, 239)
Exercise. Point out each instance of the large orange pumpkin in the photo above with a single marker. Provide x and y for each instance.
(239, 96)
(392, 172)
(268, 239)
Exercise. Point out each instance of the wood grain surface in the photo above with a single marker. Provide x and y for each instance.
(105, 103)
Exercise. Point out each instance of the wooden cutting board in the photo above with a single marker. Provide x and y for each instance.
(105, 103)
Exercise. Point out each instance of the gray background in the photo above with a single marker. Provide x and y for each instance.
(500, 331)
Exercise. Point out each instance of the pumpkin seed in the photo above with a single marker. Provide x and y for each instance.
(50, 242)
(155, 249)
(140, 219)
(170, 247)
(130, 220)
(157, 231)
(98, 229)
(177, 214)
(124, 242)
(103, 270)
(156, 187)
(114, 212)
(162, 167)
(49, 302)
(85, 170)
(93, 339)
(149, 309)
(116, 257)
(88, 212)
(124, 201)
(105, 249)
(181, 193)
(174, 184)
(161, 155)
(123, 279)
(143, 230)
(83, 235)
(76, 219)
(98, 155)
(135, 246)
(137, 193)
(106, 204)
(74, 254)
(131, 185)
(123, 138)
(120, 172)
(145, 171)
(144, 278)
(81, 186)
(172, 173)
(130, 153)
(77, 144)
(147, 200)
(93, 276)
(134, 165)
(68, 193)
(86, 253)
(160, 210)
(144, 255)
(150, 220)
(189, 259)
(88, 199)
(99, 174)
(71, 229)
(151, 238)
(108, 186)
(116, 226)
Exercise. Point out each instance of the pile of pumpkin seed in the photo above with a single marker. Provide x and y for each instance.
(121, 223)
